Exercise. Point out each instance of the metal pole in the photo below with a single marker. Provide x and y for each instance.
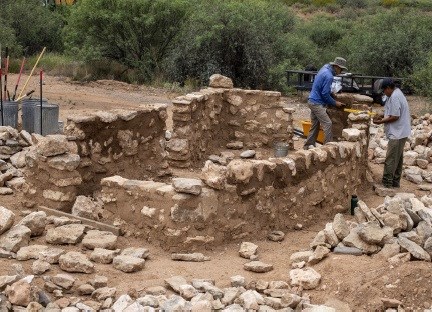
(41, 74)
(1, 97)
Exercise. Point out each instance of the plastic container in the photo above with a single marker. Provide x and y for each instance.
(354, 203)
(10, 114)
(306, 124)
(31, 116)
(281, 149)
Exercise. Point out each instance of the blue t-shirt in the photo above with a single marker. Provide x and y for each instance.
(397, 105)
(321, 87)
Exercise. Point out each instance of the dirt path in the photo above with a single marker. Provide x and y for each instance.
(358, 281)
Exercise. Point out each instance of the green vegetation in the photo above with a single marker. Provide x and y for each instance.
(183, 42)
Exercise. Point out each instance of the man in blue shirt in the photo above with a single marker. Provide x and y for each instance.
(321, 97)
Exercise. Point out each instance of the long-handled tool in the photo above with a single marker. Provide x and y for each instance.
(31, 73)
(25, 95)
(6, 73)
(19, 77)
(40, 84)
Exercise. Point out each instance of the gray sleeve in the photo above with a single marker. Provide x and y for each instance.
(395, 106)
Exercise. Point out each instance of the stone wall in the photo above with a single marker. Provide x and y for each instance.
(246, 198)
(126, 142)
(214, 119)
(51, 176)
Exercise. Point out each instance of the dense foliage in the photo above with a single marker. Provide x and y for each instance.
(252, 41)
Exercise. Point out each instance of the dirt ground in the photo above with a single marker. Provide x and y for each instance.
(358, 281)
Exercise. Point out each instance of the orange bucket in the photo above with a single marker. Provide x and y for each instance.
(307, 124)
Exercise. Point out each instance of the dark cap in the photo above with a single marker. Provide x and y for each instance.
(387, 82)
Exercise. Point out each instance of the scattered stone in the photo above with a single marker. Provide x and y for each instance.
(128, 264)
(6, 191)
(319, 253)
(7, 218)
(247, 250)
(319, 239)
(65, 281)
(99, 239)
(415, 250)
(7, 280)
(19, 293)
(103, 293)
(354, 240)
(251, 300)
(85, 289)
(330, 235)
(390, 303)
(298, 227)
(258, 267)
(193, 257)
(400, 258)
(372, 233)
(276, 236)
(382, 191)
(99, 281)
(30, 252)
(36, 222)
(238, 281)
(340, 226)
(87, 208)
(301, 256)
(122, 303)
(52, 145)
(236, 145)
(140, 252)
(156, 290)
(65, 234)
(248, 154)
(175, 282)
(105, 256)
(187, 291)
(188, 186)
(307, 278)
(175, 303)
(51, 255)
(388, 251)
(40, 266)
(76, 262)
(15, 238)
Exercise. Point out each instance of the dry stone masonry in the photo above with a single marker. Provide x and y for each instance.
(221, 117)
(127, 141)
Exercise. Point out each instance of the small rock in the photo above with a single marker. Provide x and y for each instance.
(307, 278)
(65, 281)
(85, 290)
(390, 303)
(76, 262)
(301, 256)
(192, 257)
(15, 238)
(319, 253)
(384, 191)
(103, 293)
(36, 222)
(276, 236)
(220, 81)
(247, 250)
(238, 281)
(188, 186)
(105, 256)
(128, 264)
(19, 293)
(99, 281)
(235, 145)
(175, 282)
(40, 266)
(65, 234)
(142, 253)
(99, 239)
(248, 154)
(258, 267)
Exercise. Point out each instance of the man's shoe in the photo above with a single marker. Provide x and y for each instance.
(396, 185)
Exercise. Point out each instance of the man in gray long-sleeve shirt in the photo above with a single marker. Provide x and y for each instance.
(397, 128)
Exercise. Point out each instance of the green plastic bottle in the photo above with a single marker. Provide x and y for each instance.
(354, 203)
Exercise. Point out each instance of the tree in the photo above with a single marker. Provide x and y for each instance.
(136, 33)
(34, 25)
(239, 39)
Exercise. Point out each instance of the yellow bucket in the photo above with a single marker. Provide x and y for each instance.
(306, 124)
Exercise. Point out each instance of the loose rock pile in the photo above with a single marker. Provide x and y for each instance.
(399, 230)
(418, 151)
(12, 158)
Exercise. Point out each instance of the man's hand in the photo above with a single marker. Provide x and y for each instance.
(377, 120)
(339, 104)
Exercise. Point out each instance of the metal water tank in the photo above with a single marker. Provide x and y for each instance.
(10, 114)
(31, 117)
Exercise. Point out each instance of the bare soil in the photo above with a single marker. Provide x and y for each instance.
(357, 281)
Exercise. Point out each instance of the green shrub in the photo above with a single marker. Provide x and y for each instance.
(239, 39)
(135, 33)
(389, 43)
(34, 26)
(422, 77)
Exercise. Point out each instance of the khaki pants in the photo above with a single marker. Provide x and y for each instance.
(319, 116)
(393, 163)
